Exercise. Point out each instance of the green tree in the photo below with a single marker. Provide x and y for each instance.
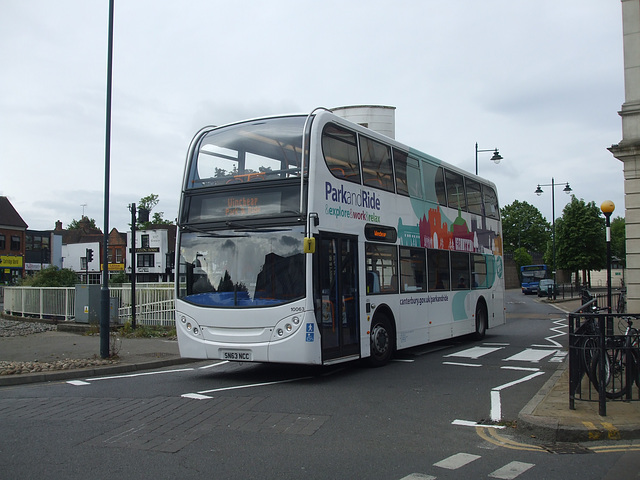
(524, 226)
(149, 203)
(51, 277)
(618, 239)
(82, 223)
(521, 257)
(580, 238)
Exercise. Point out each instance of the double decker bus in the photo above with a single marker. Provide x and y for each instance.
(531, 276)
(310, 239)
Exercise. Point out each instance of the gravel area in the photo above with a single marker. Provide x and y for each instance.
(10, 328)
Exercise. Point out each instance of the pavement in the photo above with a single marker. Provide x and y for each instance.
(547, 417)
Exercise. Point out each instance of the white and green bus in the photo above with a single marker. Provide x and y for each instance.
(310, 239)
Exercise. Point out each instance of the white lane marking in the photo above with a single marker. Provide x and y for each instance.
(213, 365)
(196, 396)
(511, 470)
(529, 355)
(418, 476)
(143, 374)
(496, 407)
(474, 352)
(469, 423)
(515, 382)
(462, 364)
(237, 387)
(77, 382)
(561, 325)
(521, 369)
(405, 360)
(456, 461)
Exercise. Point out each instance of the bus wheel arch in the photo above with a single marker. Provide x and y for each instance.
(382, 337)
(482, 319)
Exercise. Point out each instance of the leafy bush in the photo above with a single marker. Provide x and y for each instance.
(51, 277)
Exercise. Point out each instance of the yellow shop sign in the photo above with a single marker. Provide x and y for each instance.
(10, 261)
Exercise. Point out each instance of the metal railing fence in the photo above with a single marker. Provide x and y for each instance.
(154, 303)
(604, 356)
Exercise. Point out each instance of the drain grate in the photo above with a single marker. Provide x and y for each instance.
(566, 448)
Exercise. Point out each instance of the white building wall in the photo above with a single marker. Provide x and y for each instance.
(628, 150)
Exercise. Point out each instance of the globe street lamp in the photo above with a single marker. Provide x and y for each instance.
(607, 208)
(495, 158)
(539, 191)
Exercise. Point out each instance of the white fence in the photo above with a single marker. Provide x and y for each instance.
(154, 303)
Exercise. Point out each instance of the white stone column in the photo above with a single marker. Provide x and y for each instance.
(628, 150)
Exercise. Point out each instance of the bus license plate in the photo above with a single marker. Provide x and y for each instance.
(237, 355)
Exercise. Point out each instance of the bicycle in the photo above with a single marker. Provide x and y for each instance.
(622, 352)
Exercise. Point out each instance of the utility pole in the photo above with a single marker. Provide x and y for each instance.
(132, 207)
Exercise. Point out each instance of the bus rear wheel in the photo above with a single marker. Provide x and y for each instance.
(381, 341)
(482, 320)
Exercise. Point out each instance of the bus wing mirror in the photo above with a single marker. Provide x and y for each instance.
(309, 245)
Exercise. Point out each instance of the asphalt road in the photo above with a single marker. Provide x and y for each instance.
(413, 419)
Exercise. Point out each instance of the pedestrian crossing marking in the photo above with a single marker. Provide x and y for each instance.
(456, 461)
(530, 355)
(474, 352)
(511, 470)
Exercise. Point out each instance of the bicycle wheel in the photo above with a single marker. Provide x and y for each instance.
(614, 373)
(589, 349)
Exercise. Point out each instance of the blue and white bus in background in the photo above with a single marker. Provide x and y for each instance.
(531, 276)
(311, 239)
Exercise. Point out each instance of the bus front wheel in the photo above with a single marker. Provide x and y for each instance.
(381, 341)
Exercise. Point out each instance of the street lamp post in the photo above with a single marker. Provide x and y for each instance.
(539, 191)
(607, 208)
(495, 158)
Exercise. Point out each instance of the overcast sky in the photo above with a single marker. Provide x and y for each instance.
(540, 80)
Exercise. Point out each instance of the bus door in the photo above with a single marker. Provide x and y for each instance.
(337, 296)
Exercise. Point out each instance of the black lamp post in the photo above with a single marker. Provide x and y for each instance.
(539, 191)
(495, 158)
(607, 208)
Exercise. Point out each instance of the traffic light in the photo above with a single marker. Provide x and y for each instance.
(89, 255)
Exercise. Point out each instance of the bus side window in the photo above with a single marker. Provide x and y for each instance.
(460, 272)
(438, 270)
(479, 271)
(383, 261)
(455, 191)
(377, 171)
(474, 196)
(341, 152)
(441, 190)
(491, 208)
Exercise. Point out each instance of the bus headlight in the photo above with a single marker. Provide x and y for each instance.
(287, 326)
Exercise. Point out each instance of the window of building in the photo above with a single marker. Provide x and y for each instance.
(460, 272)
(438, 268)
(377, 168)
(145, 260)
(3, 242)
(413, 276)
(145, 241)
(15, 242)
(382, 268)
(118, 255)
(341, 152)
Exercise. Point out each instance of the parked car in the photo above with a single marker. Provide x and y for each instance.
(546, 287)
